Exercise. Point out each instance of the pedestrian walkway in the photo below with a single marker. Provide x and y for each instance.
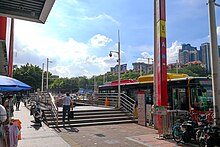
(35, 136)
(118, 135)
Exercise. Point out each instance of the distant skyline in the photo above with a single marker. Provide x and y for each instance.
(78, 35)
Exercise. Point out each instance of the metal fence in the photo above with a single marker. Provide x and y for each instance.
(168, 120)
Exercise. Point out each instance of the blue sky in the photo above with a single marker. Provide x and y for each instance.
(79, 34)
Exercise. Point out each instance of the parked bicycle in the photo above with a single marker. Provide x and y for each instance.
(176, 130)
(190, 130)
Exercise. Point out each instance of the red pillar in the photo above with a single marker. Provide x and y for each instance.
(160, 71)
(3, 22)
(11, 48)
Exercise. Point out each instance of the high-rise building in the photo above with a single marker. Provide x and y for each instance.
(188, 53)
(183, 56)
(205, 56)
(143, 67)
(115, 69)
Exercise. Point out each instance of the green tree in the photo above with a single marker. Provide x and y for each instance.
(30, 75)
(191, 70)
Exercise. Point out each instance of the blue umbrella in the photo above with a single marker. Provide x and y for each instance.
(11, 84)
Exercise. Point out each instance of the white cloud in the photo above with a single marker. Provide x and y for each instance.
(172, 52)
(99, 40)
(70, 58)
(103, 17)
(145, 57)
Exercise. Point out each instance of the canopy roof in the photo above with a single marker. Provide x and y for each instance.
(31, 10)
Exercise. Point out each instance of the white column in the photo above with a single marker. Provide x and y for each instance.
(119, 72)
(47, 74)
(214, 61)
(42, 82)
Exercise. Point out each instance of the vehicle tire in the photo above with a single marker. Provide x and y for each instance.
(200, 138)
(186, 137)
(202, 143)
(177, 133)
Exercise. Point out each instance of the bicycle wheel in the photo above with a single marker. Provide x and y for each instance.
(177, 133)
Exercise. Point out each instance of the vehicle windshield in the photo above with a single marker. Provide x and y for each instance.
(201, 96)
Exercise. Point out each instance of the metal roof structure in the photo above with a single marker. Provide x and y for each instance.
(30, 10)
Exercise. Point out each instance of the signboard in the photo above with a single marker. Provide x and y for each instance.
(141, 109)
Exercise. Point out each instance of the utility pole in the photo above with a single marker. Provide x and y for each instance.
(140, 69)
(47, 73)
(214, 61)
(95, 85)
(177, 66)
(42, 82)
(119, 72)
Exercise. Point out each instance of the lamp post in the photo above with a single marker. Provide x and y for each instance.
(214, 61)
(119, 70)
(177, 66)
(42, 82)
(47, 73)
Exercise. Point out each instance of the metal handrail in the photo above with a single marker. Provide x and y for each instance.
(128, 103)
(113, 96)
(54, 108)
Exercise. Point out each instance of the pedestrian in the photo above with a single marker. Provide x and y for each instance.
(18, 101)
(66, 107)
(8, 104)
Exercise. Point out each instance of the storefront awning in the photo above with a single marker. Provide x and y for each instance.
(30, 10)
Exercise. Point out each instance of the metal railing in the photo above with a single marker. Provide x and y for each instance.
(101, 98)
(127, 103)
(54, 108)
(48, 100)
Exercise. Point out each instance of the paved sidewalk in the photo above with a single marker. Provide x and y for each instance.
(35, 136)
(118, 135)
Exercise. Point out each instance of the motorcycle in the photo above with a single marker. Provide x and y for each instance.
(213, 137)
(204, 128)
(37, 113)
(189, 129)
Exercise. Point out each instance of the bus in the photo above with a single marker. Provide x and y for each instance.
(193, 94)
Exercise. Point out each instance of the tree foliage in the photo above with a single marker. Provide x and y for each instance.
(32, 75)
(191, 70)
(29, 74)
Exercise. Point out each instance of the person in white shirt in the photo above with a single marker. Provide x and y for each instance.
(66, 106)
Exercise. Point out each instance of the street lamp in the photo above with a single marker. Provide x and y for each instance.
(47, 72)
(214, 60)
(42, 82)
(119, 70)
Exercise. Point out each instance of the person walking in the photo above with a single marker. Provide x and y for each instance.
(18, 101)
(8, 104)
(66, 107)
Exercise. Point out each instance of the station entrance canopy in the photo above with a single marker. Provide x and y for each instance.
(30, 10)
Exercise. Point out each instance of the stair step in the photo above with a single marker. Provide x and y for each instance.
(48, 118)
(76, 113)
(96, 110)
(92, 120)
(93, 123)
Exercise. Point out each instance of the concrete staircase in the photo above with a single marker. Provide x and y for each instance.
(90, 117)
